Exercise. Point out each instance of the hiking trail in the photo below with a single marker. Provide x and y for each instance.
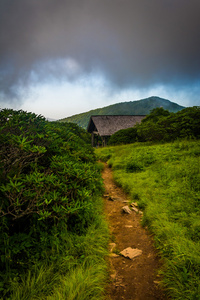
(130, 279)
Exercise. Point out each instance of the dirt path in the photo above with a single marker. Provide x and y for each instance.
(130, 279)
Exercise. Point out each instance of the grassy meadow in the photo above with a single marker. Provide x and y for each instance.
(164, 179)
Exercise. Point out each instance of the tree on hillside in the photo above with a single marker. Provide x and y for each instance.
(160, 125)
(155, 114)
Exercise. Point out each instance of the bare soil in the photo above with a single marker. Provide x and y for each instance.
(130, 279)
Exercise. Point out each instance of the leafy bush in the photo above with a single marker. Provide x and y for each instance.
(132, 167)
(124, 136)
(49, 183)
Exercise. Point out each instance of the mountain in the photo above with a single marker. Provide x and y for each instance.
(139, 107)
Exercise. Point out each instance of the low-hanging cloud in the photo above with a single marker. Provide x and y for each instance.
(132, 43)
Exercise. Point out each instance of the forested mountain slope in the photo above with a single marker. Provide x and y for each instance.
(140, 107)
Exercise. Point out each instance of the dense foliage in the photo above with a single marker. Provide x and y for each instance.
(49, 186)
(164, 181)
(161, 125)
(140, 107)
(124, 136)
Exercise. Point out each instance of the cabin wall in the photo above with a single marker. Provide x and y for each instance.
(97, 140)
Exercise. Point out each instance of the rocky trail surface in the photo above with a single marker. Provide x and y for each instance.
(134, 262)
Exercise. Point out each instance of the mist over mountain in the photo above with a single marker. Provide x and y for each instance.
(139, 107)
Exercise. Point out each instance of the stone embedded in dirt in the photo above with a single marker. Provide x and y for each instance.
(117, 198)
(110, 198)
(114, 275)
(112, 246)
(128, 226)
(134, 204)
(126, 209)
(135, 209)
(106, 195)
(113, 255)
(131, 253)
(156, 282)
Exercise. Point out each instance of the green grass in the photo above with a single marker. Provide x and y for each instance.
(164, 179)
(80, 273)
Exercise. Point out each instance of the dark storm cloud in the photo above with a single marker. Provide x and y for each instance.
(131, 42)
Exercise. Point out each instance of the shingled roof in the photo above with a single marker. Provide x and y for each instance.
(108, 125)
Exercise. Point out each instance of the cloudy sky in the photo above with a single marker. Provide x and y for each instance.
(63, 57)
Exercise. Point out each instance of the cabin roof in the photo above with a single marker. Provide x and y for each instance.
(108, 125)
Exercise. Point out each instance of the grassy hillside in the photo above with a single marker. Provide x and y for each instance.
(140, 107)
(164, 180)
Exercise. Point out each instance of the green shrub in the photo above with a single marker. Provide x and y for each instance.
(124, 136)
(49, 185)
(132, 167)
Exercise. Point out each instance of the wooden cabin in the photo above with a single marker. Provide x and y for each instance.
(105, 126)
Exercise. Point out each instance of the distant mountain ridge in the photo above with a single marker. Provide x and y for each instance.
(138, 107)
